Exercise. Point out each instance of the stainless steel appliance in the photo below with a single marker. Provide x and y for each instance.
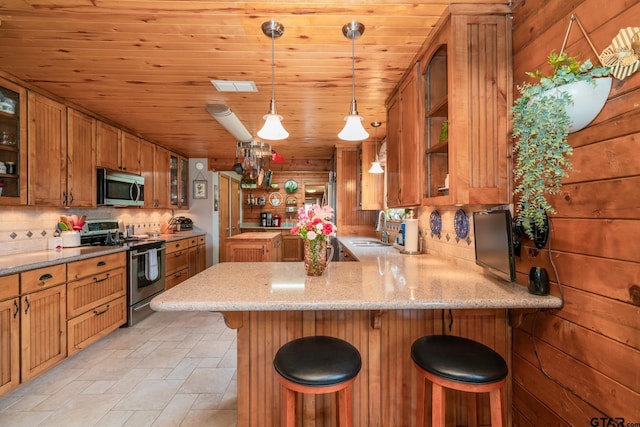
(119, 188)
(145, 264)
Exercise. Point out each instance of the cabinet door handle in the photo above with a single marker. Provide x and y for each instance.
(71, 198)
(27, 305)
(96, 280)
(17, 307)
(98, 313)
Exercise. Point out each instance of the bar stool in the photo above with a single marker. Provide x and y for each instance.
(317, 365)
(460, 364)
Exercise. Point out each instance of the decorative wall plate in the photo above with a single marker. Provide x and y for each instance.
(461, 224)
(275, 199)
(291, 186)
(435, 222)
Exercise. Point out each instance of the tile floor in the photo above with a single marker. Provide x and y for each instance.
(171, 369)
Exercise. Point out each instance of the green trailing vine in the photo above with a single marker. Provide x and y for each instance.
(540, 129)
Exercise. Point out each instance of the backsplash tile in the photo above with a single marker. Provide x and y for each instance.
(27, 229)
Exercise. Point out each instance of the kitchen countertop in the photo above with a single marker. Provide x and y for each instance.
(383, 279)
(253, 235)
(16, 263)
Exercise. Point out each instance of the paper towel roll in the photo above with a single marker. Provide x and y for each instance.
(411, 235)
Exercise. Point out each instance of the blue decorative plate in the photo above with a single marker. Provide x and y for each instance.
(435, 222)
(461, 224)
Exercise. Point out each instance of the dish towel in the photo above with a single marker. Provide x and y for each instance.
(151, 272)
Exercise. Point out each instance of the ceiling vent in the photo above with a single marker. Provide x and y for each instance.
(234, 86)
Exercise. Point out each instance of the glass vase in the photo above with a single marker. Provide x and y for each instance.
(315, 256)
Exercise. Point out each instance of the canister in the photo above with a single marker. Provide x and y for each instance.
(70, 239)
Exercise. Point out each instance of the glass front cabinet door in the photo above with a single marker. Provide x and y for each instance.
(13, 154)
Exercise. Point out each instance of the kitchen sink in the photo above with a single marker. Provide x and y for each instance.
(367, 243)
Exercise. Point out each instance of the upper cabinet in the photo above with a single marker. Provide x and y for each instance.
(179, 173)
(147, 166)
(404, 143)
(466, 97)
(61, 159)
(13, 147)
(118, 150)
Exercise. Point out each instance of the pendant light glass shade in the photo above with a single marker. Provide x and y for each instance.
(376, 167)
(353, 129)
(273, 129)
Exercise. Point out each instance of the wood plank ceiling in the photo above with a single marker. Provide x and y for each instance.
(147, 65)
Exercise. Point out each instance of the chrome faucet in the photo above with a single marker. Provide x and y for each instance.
(381, 227)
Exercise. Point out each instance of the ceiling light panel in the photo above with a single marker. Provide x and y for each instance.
(234, 86)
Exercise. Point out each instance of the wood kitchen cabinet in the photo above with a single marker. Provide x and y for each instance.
(292, 247)
(161, 167)
(61, 155)
(467, 85)
(9, 333)
(254, 247)
(197, 255)
(371, 184)
(147, 166)
(177, 262)
(403, 144)
(117, 149)
(13, 147)
(179, 177)
(43, 319)
(96, 299)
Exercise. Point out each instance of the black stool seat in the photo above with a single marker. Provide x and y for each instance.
(317, 361)
(458, 359)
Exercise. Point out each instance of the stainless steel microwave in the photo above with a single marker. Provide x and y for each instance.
(119, 188)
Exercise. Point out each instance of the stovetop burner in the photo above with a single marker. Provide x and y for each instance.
(106, 232)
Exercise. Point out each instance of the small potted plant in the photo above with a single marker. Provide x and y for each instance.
(543, 117)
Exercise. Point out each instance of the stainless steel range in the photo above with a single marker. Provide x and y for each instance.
(145, 264)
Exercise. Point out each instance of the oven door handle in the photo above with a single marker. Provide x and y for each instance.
(137, 254)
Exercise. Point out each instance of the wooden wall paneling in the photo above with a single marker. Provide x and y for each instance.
(528, 411)
(611, 277)
(612, 358)
(582, 379)
(613, 158)
(351, 220)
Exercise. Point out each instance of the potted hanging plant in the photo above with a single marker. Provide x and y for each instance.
(543, 117)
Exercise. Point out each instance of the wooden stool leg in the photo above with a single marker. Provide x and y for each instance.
(420, 408)
(438, 405)
(472, 403)
(288, 408)
(345, 409)
(495, 398)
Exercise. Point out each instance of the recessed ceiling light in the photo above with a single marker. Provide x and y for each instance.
(234, 86)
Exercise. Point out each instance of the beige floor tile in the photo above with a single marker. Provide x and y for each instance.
(208, 380)
(170, 370)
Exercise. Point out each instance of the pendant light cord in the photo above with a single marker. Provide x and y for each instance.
(353, 67)
(273, 61)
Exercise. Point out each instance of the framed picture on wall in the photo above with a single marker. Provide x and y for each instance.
(200, 189)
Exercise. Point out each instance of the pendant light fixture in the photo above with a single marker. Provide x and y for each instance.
(353, 130)
(375, 166)
(273, 129)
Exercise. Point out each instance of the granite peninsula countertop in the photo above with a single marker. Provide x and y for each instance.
(382, 279)
(19, 262)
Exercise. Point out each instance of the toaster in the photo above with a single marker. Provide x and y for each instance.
(183, 223)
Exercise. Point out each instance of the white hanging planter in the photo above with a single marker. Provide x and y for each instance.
(588, 100)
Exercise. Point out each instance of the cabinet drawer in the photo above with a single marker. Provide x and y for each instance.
(95, 324)
(41, 278)
(195, 241)
(9, 286)
(95, 266)
(175, 278)
(177, 260)
(177, 245)
(90, 292)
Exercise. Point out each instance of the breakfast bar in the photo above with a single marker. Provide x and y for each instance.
(379, 304)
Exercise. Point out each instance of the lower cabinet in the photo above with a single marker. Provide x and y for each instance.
(9, 333)
(254, 247)
(292, 247)
(197, 255)
(96, 299)
(177, 262)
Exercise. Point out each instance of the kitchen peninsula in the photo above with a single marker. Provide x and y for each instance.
(380, 305)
